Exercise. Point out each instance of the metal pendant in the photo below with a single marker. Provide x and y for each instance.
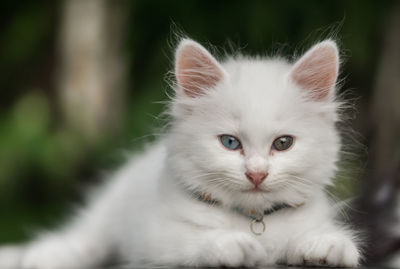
(257, 226)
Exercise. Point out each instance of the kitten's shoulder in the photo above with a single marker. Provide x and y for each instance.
(152, 156)
(140, 167)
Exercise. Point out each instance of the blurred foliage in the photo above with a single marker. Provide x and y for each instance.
(43, 163)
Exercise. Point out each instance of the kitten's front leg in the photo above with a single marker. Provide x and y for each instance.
(335, 249)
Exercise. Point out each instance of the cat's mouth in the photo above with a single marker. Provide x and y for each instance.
(255, 189)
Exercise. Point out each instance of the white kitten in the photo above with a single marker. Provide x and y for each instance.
(238, 180)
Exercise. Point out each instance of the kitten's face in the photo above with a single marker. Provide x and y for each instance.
(250, 135)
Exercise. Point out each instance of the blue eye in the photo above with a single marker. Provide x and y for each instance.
(230, 142)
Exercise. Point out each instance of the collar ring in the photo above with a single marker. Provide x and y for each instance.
(257, 226)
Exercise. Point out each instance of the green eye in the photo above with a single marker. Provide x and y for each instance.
(230, 142)
(282, 143)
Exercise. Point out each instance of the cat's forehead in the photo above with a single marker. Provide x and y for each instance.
(257, 73)
(259, 89)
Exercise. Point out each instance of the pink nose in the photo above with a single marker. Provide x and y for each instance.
(256, 177)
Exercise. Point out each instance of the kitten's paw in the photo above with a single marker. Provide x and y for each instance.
(59, 253)
(10, 257)
(236, 249)
(48, 256)
(325, 250)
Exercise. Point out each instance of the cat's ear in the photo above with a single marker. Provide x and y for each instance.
(317, 70)
(196, 70)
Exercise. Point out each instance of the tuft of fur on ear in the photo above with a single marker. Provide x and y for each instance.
(196, 70)
(317, 70)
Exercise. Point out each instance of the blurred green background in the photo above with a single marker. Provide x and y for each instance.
(48, 158)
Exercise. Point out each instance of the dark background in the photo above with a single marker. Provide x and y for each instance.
(50, 152)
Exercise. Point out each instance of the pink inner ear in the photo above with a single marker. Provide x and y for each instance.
(196, 70)
(317, 71)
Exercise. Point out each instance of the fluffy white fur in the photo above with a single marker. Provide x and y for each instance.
(146, 216)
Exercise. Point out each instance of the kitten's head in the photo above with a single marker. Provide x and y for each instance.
(253, 132)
